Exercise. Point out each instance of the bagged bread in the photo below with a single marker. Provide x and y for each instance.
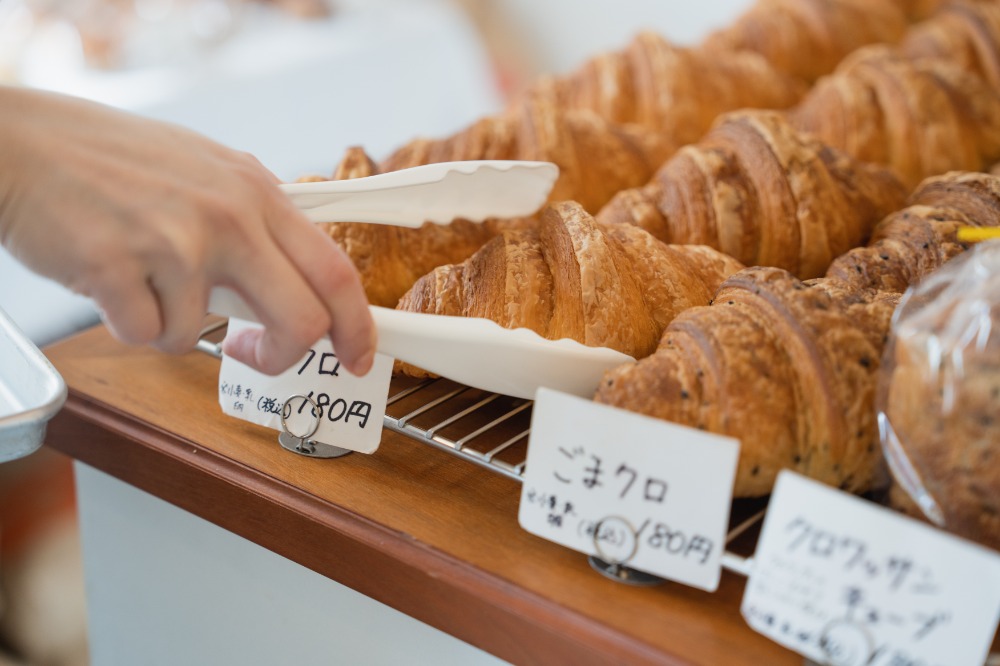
(938, 396)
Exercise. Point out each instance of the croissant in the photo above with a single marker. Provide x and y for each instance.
(782, 365)
(764, 193)
(675, 91)
(966, 33)
(918, 10)
(389, 258)
(912, 243)
(807, 38)
(568, 278)
(921, 117)
(595, 158)
(790, 367)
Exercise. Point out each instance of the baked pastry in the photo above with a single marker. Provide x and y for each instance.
(569, 278)
(673, 90)
(918, 10)
(786, 367)
(914, 242)
(389, 258)
(920, 116)
(595, 158)
(941, 388)
(790, 368)
(947, 430)
(966, 33)
(764, 193)
(807, 38)
(951, 452)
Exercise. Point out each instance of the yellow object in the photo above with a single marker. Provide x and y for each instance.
(976, 234)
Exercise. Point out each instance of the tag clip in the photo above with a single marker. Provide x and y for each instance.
(302, 444)
(614, 567)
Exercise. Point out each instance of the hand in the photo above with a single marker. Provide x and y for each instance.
(145, 217)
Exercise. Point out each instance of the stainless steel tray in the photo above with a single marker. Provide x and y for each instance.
(31, 392)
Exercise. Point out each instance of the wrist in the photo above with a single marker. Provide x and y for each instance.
(19, 108)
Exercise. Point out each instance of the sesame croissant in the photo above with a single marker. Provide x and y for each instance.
(789, 367)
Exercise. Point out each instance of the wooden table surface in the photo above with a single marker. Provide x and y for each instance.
(413, 527)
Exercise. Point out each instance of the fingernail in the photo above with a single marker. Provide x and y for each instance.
(366, 360)
(363, 364)
(240, 346)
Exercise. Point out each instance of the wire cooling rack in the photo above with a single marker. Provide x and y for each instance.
(491, 430)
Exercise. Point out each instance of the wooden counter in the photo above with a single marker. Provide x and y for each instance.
(415, 528)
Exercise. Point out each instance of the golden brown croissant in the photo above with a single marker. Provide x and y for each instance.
(966, 33)
(913, 242)
(595, 158)
(921, 117)
(673, 90)
(764, 193)
(790, 367)
(569, 278)
(918, 10)
(784, 366)
(807, 38)
(390, 258)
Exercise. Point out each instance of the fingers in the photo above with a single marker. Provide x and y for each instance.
(292, 315)
(298, 282)
(182, 304)
(129, 308)
(333, 279)
(161, 202)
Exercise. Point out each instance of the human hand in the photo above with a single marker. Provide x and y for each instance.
(145, 217)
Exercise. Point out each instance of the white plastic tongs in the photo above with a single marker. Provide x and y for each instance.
(475, 352)
(439, 193)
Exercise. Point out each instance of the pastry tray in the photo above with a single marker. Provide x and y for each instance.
(491, 430)
(31, 392)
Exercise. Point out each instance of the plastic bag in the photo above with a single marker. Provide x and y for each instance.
(939, 391)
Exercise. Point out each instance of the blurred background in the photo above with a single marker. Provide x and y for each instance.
(294, 82)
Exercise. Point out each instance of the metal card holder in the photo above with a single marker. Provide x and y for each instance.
(302, 444)
(614, 567)
(290, 441)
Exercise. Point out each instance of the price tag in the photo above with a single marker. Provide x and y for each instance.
(316, 393)
(846, 582)
(628, 488)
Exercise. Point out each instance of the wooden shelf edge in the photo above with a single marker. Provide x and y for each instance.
(469, 603)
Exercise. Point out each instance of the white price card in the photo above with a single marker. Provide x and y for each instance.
(630, 489)
(846, 582)
(319, 398)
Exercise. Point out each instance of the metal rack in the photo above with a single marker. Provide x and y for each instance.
(491, 431)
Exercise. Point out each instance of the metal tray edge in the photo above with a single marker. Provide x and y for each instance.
(23, 432)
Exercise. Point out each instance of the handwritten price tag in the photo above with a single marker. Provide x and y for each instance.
(846, 582)
(650, 494)
(346, 411)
